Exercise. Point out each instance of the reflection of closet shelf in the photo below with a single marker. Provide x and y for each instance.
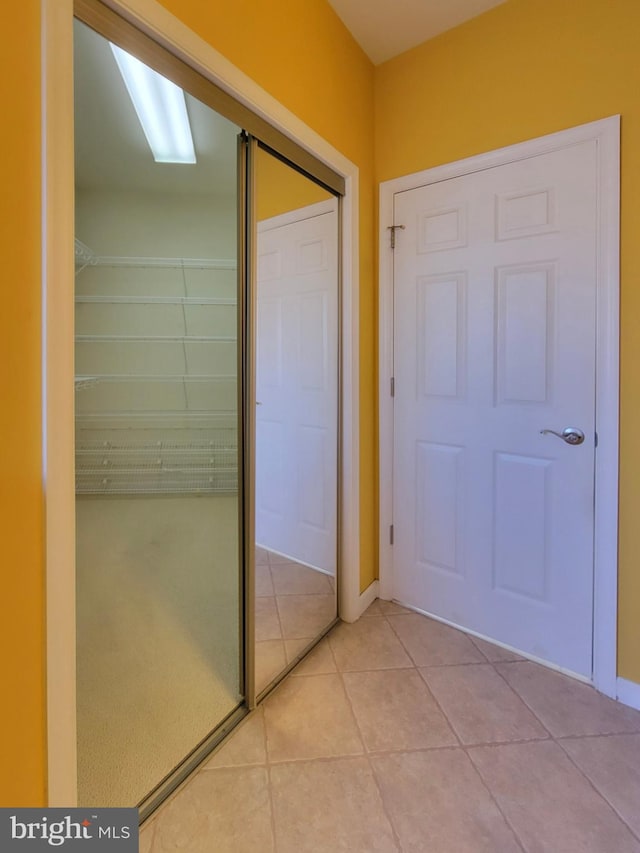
(87, 381)
(200, 419)
(156, 339)
(146, 327)
(88, 259)
(155, 300)
(171, 466)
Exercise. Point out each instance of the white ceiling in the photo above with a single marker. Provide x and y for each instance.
(385, 28)
(111, 152)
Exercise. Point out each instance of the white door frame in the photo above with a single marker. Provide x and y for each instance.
(606, 134)
(58, 324)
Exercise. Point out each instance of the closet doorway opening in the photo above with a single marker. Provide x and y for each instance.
(158, 496)
(170, 338)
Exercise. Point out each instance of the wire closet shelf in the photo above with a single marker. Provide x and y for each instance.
(122, 449)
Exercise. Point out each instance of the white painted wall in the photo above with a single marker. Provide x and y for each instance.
(157, 224)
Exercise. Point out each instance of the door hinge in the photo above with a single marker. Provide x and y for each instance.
(393, 386)
(596, 435)
(391, 534)
(393, 229)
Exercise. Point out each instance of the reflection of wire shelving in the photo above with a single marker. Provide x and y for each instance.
(161, 467)
(168, 425)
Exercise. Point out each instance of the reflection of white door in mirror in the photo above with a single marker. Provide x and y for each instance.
(297, 386)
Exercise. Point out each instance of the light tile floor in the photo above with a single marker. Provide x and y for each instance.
(294, 605)
(398, 733)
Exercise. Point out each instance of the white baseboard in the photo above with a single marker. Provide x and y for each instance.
(629, 693)
(351, 611)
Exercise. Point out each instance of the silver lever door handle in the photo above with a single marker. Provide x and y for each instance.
(571, 435)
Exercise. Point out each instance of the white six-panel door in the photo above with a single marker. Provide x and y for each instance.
(297, 387)
(494, 341)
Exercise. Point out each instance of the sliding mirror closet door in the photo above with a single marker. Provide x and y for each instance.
(159, 597)
(297, 392)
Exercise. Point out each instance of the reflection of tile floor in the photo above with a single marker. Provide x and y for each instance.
(293, 605)
(398, 733)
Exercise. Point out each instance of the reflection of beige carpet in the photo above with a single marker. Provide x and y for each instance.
(294, 605)
(158, 638)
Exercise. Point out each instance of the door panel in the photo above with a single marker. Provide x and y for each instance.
(296, 417)
(494, 341)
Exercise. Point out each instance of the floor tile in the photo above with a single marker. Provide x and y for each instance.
(295, 647)
(146, 837)
(310, 717)
(305, 615)
(246, 745)
(566, 706)
(431, 643)
(368, 643)
(280, 560)
(493, 653)
(262, 557)
(264, 584)
(317, 662)
(380, 607)
(480, 706)
(395, 710)
(548, 802)
(267, 621)
(270, 660)
(299, 580)
(438, 803)
(226, 810)
(329, 806)
(613, 765)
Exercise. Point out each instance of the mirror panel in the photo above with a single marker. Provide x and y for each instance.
(297, 361)
(159, 597)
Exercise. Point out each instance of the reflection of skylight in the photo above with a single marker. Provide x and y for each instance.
(161, 109)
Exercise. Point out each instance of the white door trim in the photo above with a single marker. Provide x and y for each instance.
(58, 322)
(606, 134)
(308, 212)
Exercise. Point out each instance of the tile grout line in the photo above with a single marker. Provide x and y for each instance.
(152, 830)
(484, 655)
(268, 765)
(557, 740)
(464, 749)
(272, 811)
(460, 745)
(524, 701)
(554, 737)
(275, 601)
(370, 755)
(494, 799)
(599, 793)
(399, 638)
(434, 666)
(367, 757)
(597, 734)
(385, 809)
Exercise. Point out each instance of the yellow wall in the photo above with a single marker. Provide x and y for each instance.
(281, 189)
(302, 55)
(526, 68)
(22, 731)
